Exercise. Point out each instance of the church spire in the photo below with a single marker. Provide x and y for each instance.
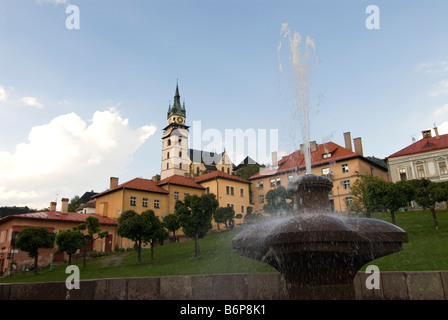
(177, 108)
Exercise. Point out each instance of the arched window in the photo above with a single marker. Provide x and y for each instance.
(180, 154)
(167, 166)
(169, 142)
(167, 155)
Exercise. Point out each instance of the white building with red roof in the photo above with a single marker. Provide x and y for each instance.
(425, 158)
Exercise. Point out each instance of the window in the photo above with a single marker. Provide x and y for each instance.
(197, 171)
(261, 198)
(402, 173)
(176, 195)
(228, 170)
(326, 155)
(242, 193)
(290, 177)
(442, 168)
(169, 142)
(207, 190)
(167, 155)
(167, 166)
(180, 166)
(278, 181)
(242, 209)
(420, 171)
(145, 202)
(156, 204)
(231, 205)
(348, 202)
(230, 190)
(344, 168)
(272, 181)
(180, 154)
(260, 185)
(180, 140)
(346, 184)
(326, 171)
(133, 201)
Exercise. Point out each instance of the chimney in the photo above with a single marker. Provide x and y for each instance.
(436, 131)
(313, 146)
(302, 148)
(348, 141)
(274, 158)
(426, 133)
(52, 206)
(358, 146)
(113, 182)
(64, 205)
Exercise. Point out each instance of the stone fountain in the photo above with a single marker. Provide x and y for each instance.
(317, 252)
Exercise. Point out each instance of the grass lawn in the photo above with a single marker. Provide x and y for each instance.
(426, 250)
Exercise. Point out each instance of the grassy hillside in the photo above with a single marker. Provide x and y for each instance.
(427, 250)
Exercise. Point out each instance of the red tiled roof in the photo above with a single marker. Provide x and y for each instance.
(180, 180)
(219, 174)
(423, 145)
(137, 184)
(57, 215)
(296, 160)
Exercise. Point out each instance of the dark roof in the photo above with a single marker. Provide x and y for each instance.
(206, 157)
(87, 196)
(245, 162)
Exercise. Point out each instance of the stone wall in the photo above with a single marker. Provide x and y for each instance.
(393, 285)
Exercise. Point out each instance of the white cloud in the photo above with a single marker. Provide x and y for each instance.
(440, 89)
(3, 94)
(68, 156)
(441, 110)
(55, 2)
(32, 101)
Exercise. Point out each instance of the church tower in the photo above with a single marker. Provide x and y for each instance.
(175, 140)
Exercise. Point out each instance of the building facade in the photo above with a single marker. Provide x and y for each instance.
(54, 221)
(341, 164)
(424, 159)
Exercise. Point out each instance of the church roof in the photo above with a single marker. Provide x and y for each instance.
(206, 157)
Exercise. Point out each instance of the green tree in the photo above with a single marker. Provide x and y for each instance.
(69, 241)
(75, 202)
(224, 215)
(195, 216)
(359, 195)
(428, 193)
(394, 198)
(30, 240)
(375, 192)
(157, 232)
(171, 224)
(92, 226)
(135, 227)
(277, 201)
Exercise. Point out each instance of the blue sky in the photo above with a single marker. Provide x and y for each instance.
(79, 106)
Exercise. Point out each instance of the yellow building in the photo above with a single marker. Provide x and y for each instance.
(230, 190)
(342, 165)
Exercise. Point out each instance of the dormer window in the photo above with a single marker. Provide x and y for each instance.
(326, 155)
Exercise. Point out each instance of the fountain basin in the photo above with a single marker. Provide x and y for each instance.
(317, 252)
